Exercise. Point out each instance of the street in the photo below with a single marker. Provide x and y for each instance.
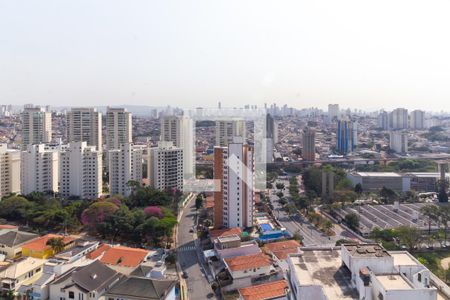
(311, 235)
(198, 286)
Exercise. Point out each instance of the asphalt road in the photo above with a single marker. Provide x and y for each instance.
(198, 286)
(311, 235)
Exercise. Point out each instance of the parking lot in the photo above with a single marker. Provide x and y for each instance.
(385, 217)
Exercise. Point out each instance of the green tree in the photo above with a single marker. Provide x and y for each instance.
(432, 213)
(199, 201)
(56, 244)
(15, 208)
(409, 236)
(279, 185)
(358, 188)
(388, 194)
(352, 221)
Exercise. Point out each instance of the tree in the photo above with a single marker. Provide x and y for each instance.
(352, 221)
(199, 201)
(358, 188)
(279, 185)
(290, 209)
(56, 244)
(444, 218)
(432, 213)
(409, 236)
(388, 194)
(15, 208)
(297, 236)
(97, 213)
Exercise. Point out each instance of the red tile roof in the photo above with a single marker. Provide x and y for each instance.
(124, 256)
(40, 244)
(283, 248)
(265, 291)
(225, 232)
(247, 262)
(7, 226)
(98, 252)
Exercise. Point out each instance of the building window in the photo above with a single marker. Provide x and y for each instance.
(71, 295)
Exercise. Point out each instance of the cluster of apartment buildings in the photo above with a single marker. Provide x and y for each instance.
(80, 269)
(77, 168)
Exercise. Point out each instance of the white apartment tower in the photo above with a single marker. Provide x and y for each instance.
(180, 131)
(165, 166)
(125, 164)
(398, 118)
(39, 169)
(227, 130)
(234, 196)
(80, 171)
(85, 125)
(417, 119)
(36, 126)
(333, 112)
(9, 170)
(118, 128)
(398, 141)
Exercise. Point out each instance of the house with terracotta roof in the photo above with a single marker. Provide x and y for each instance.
(38, 248)
(281, 250)
(275, 290)
(225, 232)
(122, 259)
(252, 265)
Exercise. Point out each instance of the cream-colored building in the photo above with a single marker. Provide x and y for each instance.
(125, 164)
(165, 166)
(227, 130)
(85, 125)
(180, 131)
(36, 126)
(24, 271)
(11, 242)
(9, 170)
(81, 171)
(39, 169)
(118, 128)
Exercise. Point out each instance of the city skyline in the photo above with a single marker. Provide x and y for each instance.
(161, 53)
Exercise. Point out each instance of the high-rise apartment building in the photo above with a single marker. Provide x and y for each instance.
(85, 125)
(383, 120)
(80, 171)
(39, 169)
(398, 141)
(333, 112)
(118, 128)
(165, 166)
(234, 196)
(125, 165)
(180, 131)
(346, 137)
(9, 170)
(417, 119)
(227, 130)
(398, 119)
(36, 126)
(309, 144)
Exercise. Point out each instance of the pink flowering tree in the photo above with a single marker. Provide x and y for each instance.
(153, 211)
(97, 212)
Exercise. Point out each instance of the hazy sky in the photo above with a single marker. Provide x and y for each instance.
(364, 54)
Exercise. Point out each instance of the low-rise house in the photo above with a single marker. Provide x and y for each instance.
(38, 248)
(23, 271)
(11, 242)
(124, 259)
(61, 263)
(248, 265)
(281, 250)
(84, 283)
(139, 288)
(275, 290)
